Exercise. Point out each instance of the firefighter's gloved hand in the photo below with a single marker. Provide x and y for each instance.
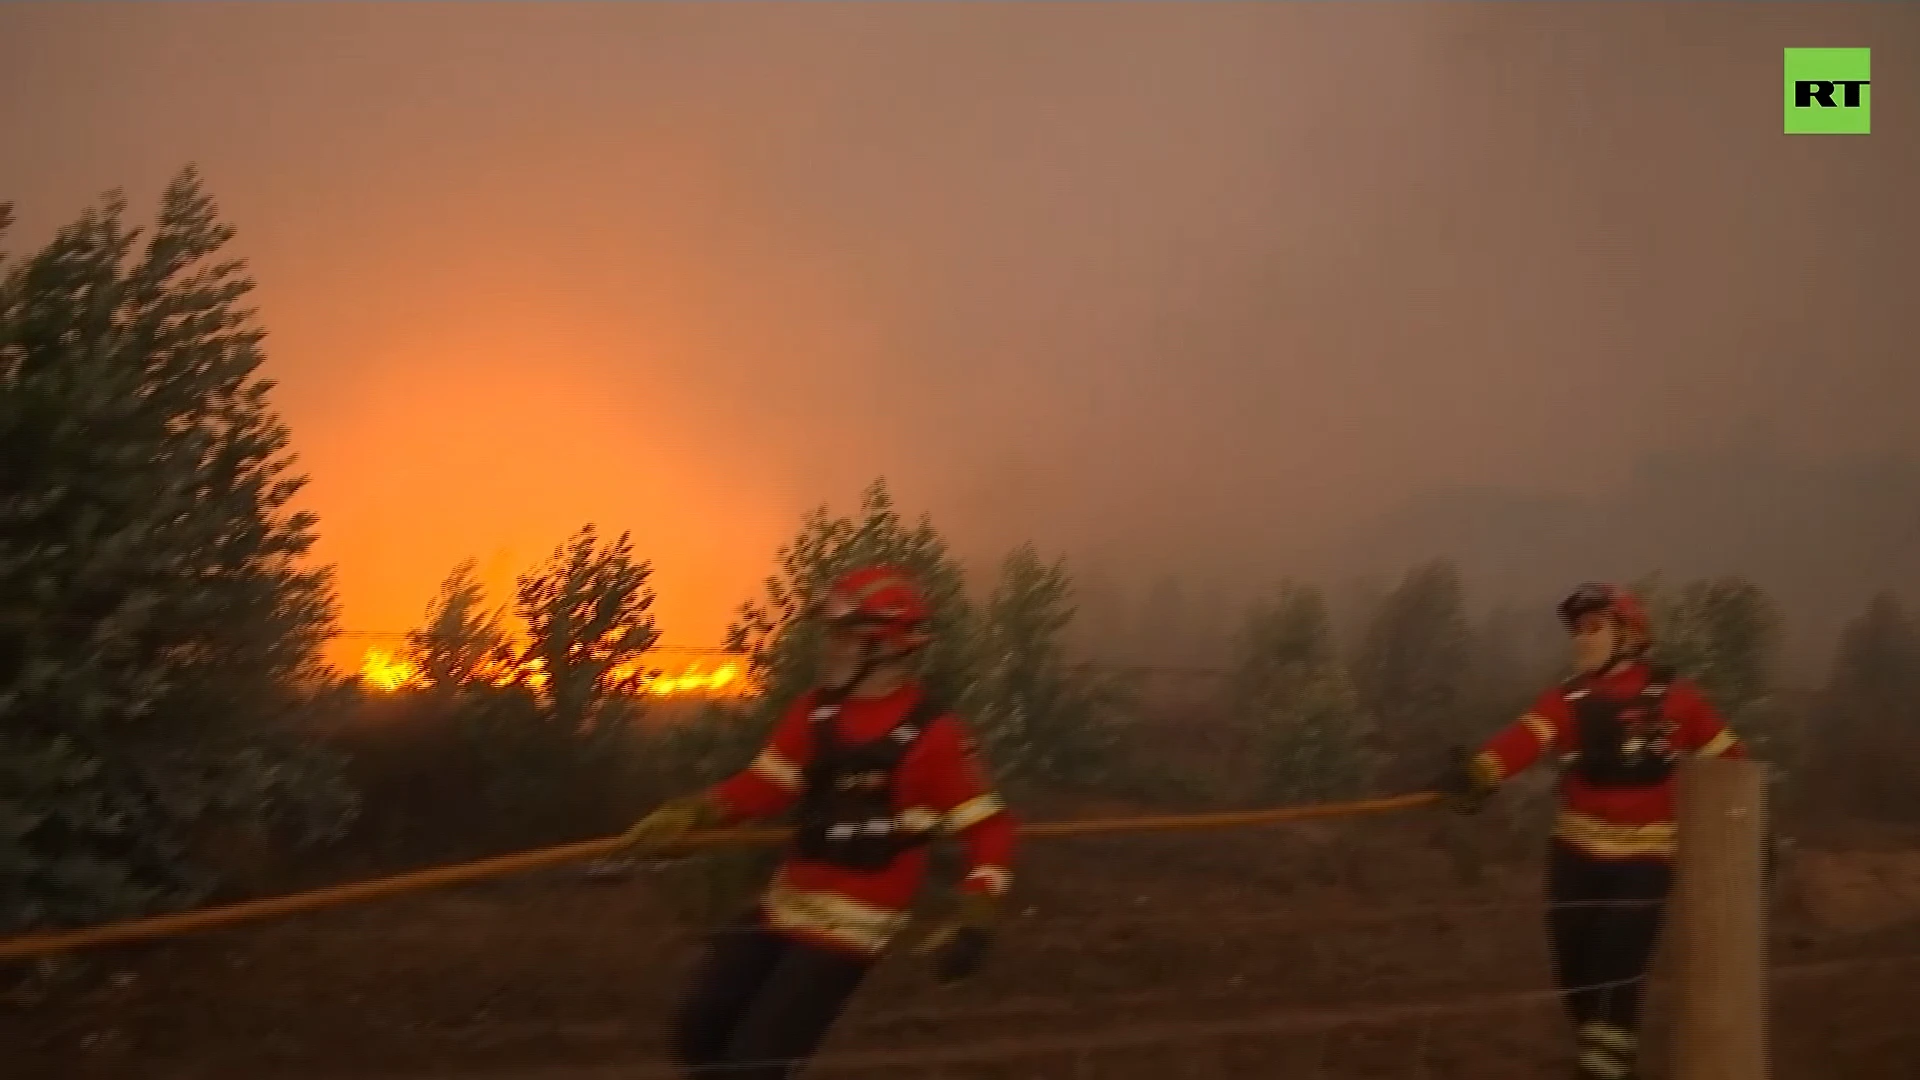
(959, 944)
(1463, 787)
(664, 831)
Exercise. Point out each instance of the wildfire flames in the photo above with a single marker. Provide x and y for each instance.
(383, 670)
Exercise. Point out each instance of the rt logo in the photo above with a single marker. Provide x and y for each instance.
(1828, 92)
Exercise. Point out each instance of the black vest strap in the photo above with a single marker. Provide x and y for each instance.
(824, 713)
(846, 814)
(1659, 681)
(1623, 743)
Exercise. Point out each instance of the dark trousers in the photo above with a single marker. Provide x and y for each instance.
(1604, 917)
(761, 1003)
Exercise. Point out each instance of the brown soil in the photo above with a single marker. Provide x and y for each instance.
(1379, 949)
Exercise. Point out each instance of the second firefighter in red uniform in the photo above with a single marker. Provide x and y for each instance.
(871, 769)
(1617, 728)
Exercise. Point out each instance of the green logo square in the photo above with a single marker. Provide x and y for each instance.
(1828, 92)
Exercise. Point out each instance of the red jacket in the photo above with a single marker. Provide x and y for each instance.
(1611, 821)
(940, 779)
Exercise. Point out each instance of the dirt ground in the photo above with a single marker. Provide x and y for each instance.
(1383, 949)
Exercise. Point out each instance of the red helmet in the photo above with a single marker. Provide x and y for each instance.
(1625, 608)
(881, 604)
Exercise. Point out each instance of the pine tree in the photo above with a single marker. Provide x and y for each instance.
(1723, 634)
(1507, 670)
(1867, 745)
(461, 642)
(1038, 714)
(160, 642)
(1296, 701)
(1413, 671)
(1282, 638)
(589, 623)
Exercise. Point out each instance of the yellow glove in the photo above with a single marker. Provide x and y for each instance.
(663, 831)
(959, 942)
(1466, 786)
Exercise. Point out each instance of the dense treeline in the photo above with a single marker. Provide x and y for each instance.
(164, 709)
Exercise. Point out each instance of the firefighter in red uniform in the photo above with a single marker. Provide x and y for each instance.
(873, 770)
(1618, 727)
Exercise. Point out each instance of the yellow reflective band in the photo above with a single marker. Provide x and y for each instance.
(1487, 769)
(1598, 1063)
(870, 588)
(973, 812)
(1606, 839)
(858, 925)
(998, 878)
(1719, 744)
(1618, 1040)
(1541, 727)
(918, 819)
(776, 770)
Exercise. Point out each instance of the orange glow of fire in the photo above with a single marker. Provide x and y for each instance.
(381, 670)
(387, 672)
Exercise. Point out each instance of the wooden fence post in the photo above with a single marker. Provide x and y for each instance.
(1719, 923)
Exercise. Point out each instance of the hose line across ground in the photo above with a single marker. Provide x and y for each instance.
(29, 946)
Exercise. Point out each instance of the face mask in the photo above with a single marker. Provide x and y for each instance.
(1595, 649)
(840, 660)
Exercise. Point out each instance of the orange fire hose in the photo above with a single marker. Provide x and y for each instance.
(29, 946)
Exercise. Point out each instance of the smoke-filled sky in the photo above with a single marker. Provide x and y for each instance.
(1156, 286)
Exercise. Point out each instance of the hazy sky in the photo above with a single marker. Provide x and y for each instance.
(1143, 283)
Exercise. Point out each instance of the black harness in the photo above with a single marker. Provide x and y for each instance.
(846, 816)
(1624, 743)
